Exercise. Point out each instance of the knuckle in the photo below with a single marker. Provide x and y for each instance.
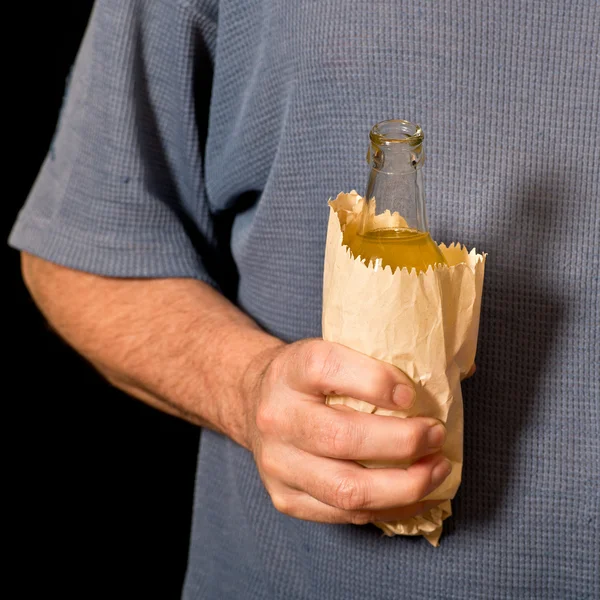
(382, 378)
(414, 491)
(268, 464)
(266, 417)
(350, 493)
(282, 504)
(338, 439)
(362, 517)
(320, 362)
(411, 440)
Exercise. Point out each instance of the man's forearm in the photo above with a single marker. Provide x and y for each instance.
(174, 343)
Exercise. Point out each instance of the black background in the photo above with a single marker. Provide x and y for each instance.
(99, 485)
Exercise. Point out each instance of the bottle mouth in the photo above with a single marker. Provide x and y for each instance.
(396, 131)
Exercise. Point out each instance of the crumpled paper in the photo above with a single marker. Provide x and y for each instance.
(426, 324)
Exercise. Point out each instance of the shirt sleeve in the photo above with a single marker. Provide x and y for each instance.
(121, 190)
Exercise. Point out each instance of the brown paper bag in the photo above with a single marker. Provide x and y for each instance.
(425, 324)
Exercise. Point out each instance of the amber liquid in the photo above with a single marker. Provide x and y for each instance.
(398, 248)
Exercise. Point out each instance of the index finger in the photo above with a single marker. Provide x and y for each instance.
(329, 369)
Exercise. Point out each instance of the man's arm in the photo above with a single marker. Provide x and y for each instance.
(176, 344)
(181, 347)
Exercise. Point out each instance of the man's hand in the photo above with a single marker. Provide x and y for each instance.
(306, 451)
(180, 346)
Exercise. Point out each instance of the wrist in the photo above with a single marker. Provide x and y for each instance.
(251, 385)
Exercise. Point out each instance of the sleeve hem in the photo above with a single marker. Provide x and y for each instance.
(59, 247)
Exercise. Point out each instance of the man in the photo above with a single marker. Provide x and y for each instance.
(175, 238)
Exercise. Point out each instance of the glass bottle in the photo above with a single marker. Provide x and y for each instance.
(395, 184)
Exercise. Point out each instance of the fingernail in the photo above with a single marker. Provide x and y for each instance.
(441, 471)
(436, 436)
(404, 395)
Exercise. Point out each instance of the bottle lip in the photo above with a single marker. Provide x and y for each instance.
(396, 131)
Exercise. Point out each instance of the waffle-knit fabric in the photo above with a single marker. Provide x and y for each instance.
(200, 138)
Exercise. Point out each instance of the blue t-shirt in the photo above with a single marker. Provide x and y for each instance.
(202, 139)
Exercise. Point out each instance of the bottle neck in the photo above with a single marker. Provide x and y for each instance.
(396, 156)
